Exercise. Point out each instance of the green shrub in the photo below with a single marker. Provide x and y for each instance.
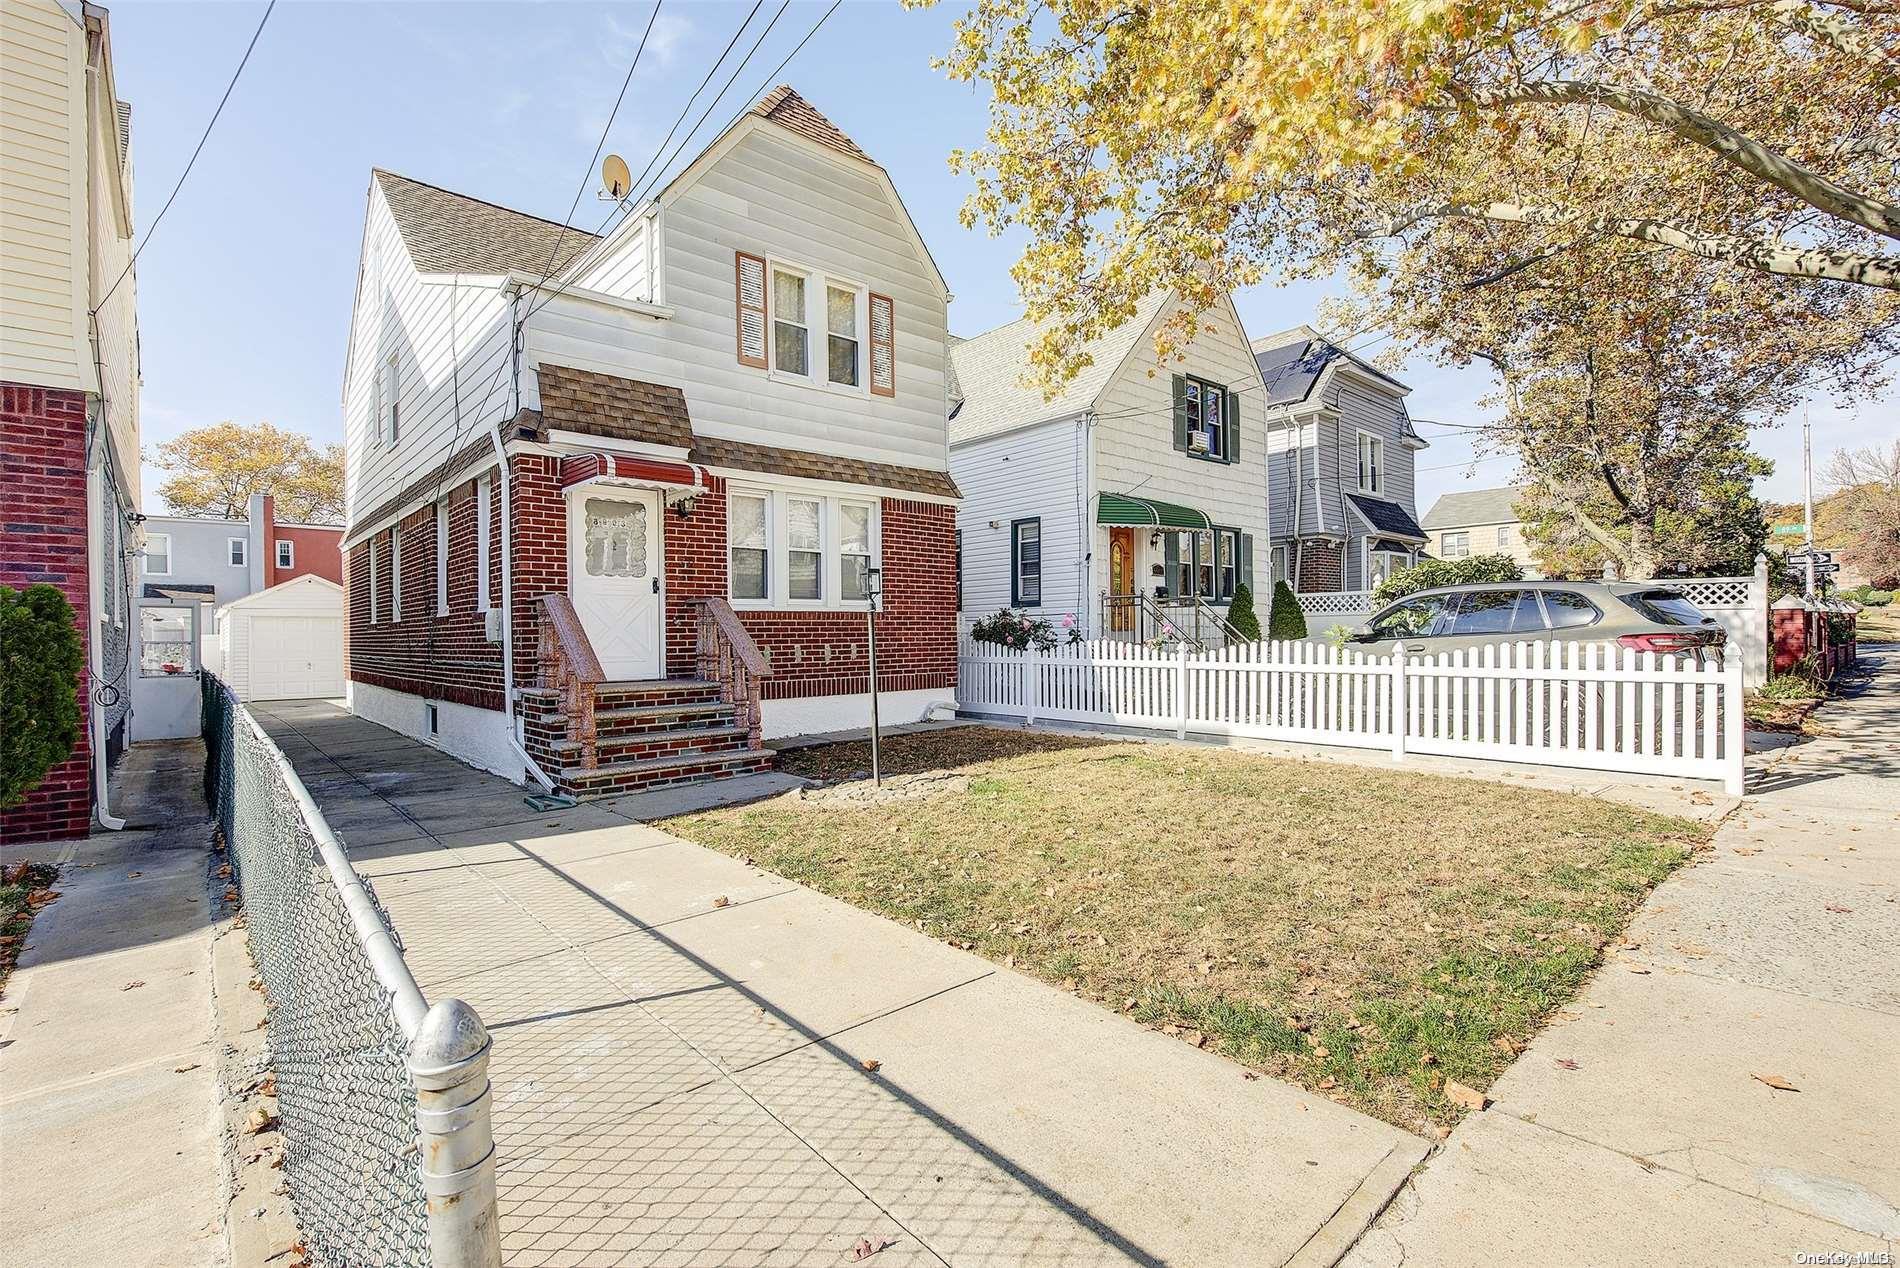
(1242, 617)
(1429, 574)
(40, 660)
(1019, 630)
(1803, 681)
(1285, 621)
(1875, 598)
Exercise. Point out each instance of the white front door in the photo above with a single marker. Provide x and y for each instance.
(614, 576)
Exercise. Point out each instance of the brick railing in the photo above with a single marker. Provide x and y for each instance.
(569, 667)
(727, 655)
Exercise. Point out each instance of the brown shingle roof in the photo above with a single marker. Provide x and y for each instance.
(452, 233)
(739, 455)
(786, 108)
(605, 405)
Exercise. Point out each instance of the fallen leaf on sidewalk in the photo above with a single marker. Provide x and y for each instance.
(1694, 950)
(41, 897)
(870, 1065)
(184, 1069)
(1747, 849)
(1469, 1097)
(1637, 968)
(868, 1246)
(1250, 1075)
(132, 985)
(1565, 1063)
(1839, 910)
(259, 1120)
(132, 876)
(722, 901)
(1776, 1082)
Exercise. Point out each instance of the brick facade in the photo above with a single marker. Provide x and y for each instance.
(812, 653)
(1322, 566)
(43, 528)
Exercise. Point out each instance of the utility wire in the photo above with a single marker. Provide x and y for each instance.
(205, 136)
(555, 251)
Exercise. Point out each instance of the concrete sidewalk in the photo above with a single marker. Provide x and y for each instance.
(697, 1062)
(1641, 1127)
(110, 1149)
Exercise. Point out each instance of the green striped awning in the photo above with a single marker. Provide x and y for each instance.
(1121, 508)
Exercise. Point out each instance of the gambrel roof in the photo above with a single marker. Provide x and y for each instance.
(446, 232)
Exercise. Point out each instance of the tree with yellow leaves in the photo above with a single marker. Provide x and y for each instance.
(216, 469)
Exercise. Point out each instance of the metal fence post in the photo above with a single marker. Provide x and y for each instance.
(1181, 692)
(448, 1059)
(1399, 713)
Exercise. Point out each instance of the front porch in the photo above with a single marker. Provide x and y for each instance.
(1172, 572)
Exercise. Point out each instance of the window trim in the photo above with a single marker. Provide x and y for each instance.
(778, 551)
(286, 552)
(389, 403)
(375, 599)
(1213, 454)
(242, 551)
(483, 526)
(442, 557)
(193, 635)
(145, 555)
(839, 554)
(822, 550)
(1444, 544)
(1016, 599)
(395, 574)
(1376, 467)
(818, 282)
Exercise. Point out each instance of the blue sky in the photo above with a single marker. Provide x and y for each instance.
(245, 293)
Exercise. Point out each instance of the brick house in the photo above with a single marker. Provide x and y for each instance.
(616, 504)
(69, 376)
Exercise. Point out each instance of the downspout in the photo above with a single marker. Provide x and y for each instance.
(1085, 531)
(508, 568)
(95, 490)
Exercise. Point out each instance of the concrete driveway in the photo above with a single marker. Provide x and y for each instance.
(697, 1062)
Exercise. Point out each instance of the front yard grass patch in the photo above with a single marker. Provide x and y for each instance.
(1367, 933)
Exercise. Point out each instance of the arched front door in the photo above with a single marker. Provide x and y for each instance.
(1121, 578)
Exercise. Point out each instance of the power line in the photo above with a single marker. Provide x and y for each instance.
(555, 251)
(190, 163)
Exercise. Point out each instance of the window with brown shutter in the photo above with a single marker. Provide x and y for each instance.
(749, 272)
(883, 354)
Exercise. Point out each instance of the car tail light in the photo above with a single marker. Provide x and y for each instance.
(1667, 644)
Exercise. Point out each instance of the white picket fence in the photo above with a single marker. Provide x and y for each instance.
(1595, 706)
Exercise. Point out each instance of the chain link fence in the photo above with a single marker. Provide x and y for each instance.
(378, 1174)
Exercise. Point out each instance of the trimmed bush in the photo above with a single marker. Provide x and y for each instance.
(1285, 621)
(1429, 574)
(40, 660)
(1241, 616)
(1018, 630)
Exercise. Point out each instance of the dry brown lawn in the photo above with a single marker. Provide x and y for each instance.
(1367, 933)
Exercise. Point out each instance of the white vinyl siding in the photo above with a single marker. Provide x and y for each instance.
(44, 199)
(773, 196)
(1034, 473)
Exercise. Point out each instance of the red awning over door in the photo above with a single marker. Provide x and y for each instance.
(624, 469)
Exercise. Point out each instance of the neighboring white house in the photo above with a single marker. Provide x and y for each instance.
(1480, 522)
(1134, 497)
(285, 643)
(1341, 486)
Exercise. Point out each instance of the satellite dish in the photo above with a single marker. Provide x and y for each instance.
(615, 176)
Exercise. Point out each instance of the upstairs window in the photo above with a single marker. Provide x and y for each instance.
(1206, 420)
(389, 403)
(1504, 537)
(158, 554)
(791, 337)
(1371, 463)
(239, 551)
(843, 353)
(286, 554)
(1454, 545)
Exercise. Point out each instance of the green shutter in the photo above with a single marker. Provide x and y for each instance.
(1230, 424)
(1246, 560)
(1180, 413)
(1171, 562)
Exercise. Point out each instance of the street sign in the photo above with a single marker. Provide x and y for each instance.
(1789, 530)
(1801, 556)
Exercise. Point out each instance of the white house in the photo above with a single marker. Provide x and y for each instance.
(1129, 502)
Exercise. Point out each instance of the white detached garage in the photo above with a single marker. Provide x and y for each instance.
(285, 643)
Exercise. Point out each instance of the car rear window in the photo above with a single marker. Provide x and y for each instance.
(1497, 612)
(1666, 607)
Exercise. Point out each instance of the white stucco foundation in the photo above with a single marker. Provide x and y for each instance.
(476, 736)
(814, 715)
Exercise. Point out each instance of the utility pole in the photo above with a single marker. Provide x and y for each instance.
(1807, 496)
(873, 587)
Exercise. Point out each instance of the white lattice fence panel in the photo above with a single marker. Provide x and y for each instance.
(1336, 602)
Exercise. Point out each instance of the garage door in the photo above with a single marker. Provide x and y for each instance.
(295, 657)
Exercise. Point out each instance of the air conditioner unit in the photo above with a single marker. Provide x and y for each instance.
(1197, 442)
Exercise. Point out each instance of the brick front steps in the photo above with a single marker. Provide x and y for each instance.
(647, 735)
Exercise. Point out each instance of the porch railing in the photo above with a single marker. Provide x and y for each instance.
(1139, 618)
(728, 656)
(569, 667)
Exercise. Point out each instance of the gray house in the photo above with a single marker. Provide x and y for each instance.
(1341, 452)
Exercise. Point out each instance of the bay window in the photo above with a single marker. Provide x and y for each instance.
(798, 549)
